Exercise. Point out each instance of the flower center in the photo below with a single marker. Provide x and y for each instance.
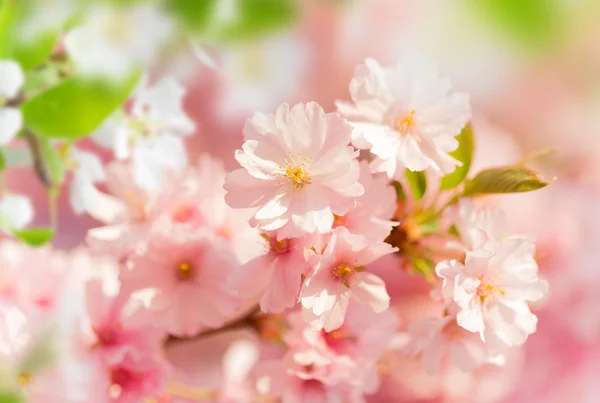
(185, 271)
(338, 339)
(487, 291)
(296, 171)
(405, 124)
(24, 379)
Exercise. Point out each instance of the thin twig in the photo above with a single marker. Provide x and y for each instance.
(39, 163)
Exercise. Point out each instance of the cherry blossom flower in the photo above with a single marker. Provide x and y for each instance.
(493, 287)
(407, 116)
(239, 359)
(112, 41)
(108, 330)
(180, 278)
(438, 339)
(87, 170)
(16, 212)
(259, 75)
(151, 135)
(298, 170)
(276, 276)
(371, 216)
(340, 275)
(11, 82)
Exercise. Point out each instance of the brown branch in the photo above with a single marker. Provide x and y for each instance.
(39, 163)
(246, 321)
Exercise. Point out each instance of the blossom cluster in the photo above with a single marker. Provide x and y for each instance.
(283, 267)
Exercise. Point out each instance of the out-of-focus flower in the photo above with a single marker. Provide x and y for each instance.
(11, 81)
(180, 278)
(112, 41)
(374, 209)
(238, 361)
(493, 287)
(340, 275)
(87, 170)
(151, 134)
(16, 212)
(439, 339)
(259, 76)
(298, 170)
(407, 116)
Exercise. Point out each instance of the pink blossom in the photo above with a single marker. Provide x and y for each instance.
(196, 198)
(111, 334)
(181, 278)
(374, 209)
(493, 287)
(276, 276)
(407, 116)
(439, 339)
(298, 170)
(339, 275)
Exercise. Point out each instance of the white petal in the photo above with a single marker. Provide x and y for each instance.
(16, 212)
(11, 121)
(11, 78)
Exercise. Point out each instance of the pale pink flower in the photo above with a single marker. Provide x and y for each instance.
(181, 278)
(476, 224)
(298, 170)
(133, 380)
(197, 198)
(111, 334)
(438, 339)
(407, 116)
(493, 287)
(22, 267)
(340, 275)
(276, 276)
(374, 209)
(238, 362)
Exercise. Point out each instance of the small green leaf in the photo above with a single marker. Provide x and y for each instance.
(2, 161)
(76, 107)
(29, 52)
(534, 24)
(464, 153)
(193, 14)
(508, 179)
(8, 396)
(53, 160)
(417, 182)
(35, 236)
(399, 191)
(257, 18)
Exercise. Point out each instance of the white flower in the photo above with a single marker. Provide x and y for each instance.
(260, 75)
(492, 289)
(87, 170)
(16, 212)
(407, 116)
(114, 40)
(151, 135)
(11, 81)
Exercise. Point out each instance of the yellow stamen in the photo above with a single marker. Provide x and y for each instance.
(405, 124)
(296, 171)
(24, 379)
(342, 273)
(185, 271)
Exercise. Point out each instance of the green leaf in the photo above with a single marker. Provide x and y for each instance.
(2, 161)
(535, 24)
(8, 396)
(54, 162)
(76, 107)
(464, 153)
(35, 236)
(29, 52)
(417, 182)
(508, 179)
(193, 14)
(260, 17)
(400, 195)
